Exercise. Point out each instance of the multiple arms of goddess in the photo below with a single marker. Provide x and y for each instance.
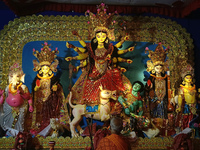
(83, 55)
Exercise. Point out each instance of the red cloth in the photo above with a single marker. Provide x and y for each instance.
(113, 142)
(186, 120)
(111, 80)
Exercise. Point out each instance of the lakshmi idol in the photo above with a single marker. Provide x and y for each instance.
(17, 100)
(47, 92)
(186, 105)
(99, 61)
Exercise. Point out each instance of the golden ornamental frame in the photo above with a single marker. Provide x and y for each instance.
(59, 28)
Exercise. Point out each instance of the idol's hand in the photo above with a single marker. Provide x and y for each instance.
(126, 38)
(127, 111)
(68, 58)
(178, 109)
(131, 49)
(54, 87)
(36, 88)
(68, 45)
(123, 69)
(108, 57)
(158, 102)
(31, 108)
(129, 61)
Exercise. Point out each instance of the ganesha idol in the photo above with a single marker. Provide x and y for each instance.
(17, 99)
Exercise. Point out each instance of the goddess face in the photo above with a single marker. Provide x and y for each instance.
(101, 37)
(136, 87)
(158, 68)
(188, 78)
(45, 69)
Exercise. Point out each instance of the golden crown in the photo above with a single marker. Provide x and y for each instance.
(101, 21)
(158, 56)
(16, 68)
(46, 56)
(187, 70)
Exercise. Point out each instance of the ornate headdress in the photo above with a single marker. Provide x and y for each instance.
(187, 70)
(101, 21)
(45, 57)
(157, 57)
(16, 68)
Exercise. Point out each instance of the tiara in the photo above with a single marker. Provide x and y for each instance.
(187, 70)
(101, 21)
(157, 57)
(46, 56)
(15, 68)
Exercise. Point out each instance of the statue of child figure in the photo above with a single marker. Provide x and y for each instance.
(132, 103)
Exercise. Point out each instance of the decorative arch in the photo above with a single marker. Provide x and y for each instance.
(59, 28)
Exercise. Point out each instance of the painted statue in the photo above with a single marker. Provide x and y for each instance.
(102, 114)
(186, 105)
(156, 89)
(17, 101)
(48, 93)
(99, 61)
(133, 103)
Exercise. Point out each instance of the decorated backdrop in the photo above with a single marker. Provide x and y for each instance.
(21, 36)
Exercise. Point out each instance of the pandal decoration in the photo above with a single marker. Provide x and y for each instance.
(82, 143)
(158, 57)
(61, 142)
(59, 28)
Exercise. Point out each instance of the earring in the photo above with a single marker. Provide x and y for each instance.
(153, 71)
(106, 41)
(40, 72)
(50, 72)
(95, 40)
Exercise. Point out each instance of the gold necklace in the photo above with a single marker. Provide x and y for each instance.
(14, 91)
(45, 77)
(160, 78)
(188, 88)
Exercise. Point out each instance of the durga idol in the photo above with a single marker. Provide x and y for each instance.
(99, 60)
